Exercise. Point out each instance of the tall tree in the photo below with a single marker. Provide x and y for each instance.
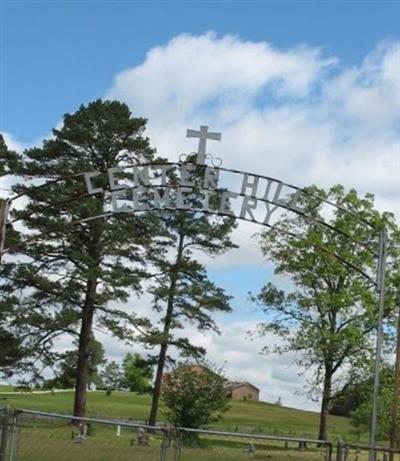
(327, 318)
(72, 276)
(181, 289)
(112, 376)
(137, 373)
(13, 353)
(67, 365)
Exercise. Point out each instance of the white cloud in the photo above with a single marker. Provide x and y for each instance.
(13, 143)
(276, 376)
(244, 237)
(281, 111)
(293, 114)
(189, 72)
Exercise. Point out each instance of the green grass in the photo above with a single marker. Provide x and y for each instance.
(242, 417)
(47, 440)
(51, 440)
(41, 441)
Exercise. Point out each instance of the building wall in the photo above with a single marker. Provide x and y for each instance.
(246, 392)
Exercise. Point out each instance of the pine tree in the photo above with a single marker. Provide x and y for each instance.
(12, 351)
(181, 289)
(8, 158)
(9, 161)
(73, 276)
(67, 365)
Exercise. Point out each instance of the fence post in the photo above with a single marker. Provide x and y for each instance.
(4, 433)
(328, 452)
(339, 451)
(14, 435)
(178, 445)
(166, 440)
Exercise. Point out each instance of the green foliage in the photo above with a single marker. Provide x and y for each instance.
(137, 373)
(111, 376)
(361, 416)
(330, 313)
(194, 398)
(72, 274)
(350, 397)
(66, 377)
(181, 289)
(182, 292)
(8, 158)
(13, 353)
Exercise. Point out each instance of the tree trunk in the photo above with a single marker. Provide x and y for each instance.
(83, 350)
(164, 345)
(157, 384)
(326, 397)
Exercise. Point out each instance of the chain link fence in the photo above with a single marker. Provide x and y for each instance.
(355, 452)
(4, 435)
(38, 436)
(203, 445)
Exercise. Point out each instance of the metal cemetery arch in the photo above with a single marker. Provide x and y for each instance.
(248, 205)
(156, 192)
(272, 197)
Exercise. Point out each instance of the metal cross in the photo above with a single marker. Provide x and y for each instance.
(203, 134)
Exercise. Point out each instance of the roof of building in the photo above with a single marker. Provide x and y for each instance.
(228, 385)
(193, 366)
(231, 385)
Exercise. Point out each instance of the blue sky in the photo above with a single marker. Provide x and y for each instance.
(56, 55)
(307, 92)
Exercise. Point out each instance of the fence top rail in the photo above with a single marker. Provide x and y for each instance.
(91, 420)
(254, 436)
(375, 448)
(44, 414)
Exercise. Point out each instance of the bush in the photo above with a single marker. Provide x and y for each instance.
(194, 396)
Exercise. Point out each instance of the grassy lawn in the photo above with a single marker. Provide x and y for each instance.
(53, 440)
(272, 419)
(242, 417)
(44, 440)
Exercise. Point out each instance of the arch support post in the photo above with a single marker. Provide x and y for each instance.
(396, 388)
(380, 284)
